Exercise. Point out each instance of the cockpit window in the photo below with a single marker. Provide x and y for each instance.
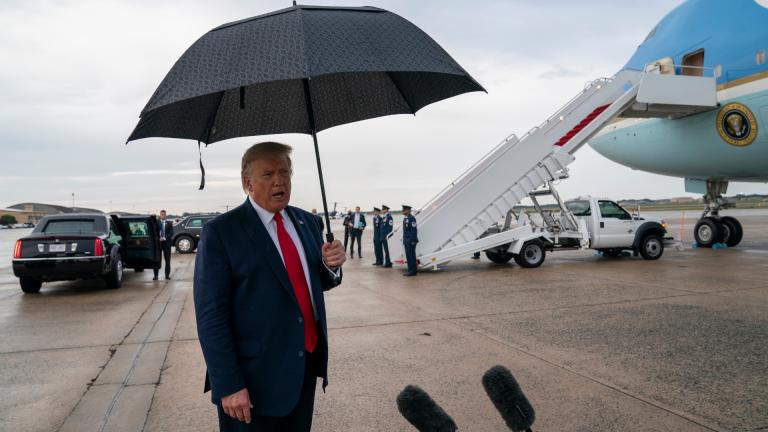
(651, 34)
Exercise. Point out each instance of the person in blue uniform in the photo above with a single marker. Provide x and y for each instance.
(410, 239)
(386, 225)
(376, 236)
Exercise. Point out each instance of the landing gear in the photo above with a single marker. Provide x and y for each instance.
(708, 231)
(732, 231)
(712, 228)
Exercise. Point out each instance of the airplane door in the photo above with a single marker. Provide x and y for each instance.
(615, 226)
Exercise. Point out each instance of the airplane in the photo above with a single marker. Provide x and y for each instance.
(727, 40)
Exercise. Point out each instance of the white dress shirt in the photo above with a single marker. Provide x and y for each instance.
(268, 219)
(356, 224)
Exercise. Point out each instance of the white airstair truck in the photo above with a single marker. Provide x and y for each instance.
(476, 211)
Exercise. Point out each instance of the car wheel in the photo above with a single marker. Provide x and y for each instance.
(732, 231)
(29, 285)
(708, 231)
(532, 254)
(115, 278)
(651, 247)
(185, 245)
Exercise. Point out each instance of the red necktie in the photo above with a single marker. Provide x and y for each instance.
(299, 283)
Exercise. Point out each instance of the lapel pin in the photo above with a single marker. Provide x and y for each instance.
(301, 222)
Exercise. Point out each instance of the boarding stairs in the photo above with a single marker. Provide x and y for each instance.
(465, 216)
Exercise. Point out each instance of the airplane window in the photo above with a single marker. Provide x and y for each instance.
(579, 208)
(609, 209)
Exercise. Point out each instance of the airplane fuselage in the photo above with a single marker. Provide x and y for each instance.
(724, 39)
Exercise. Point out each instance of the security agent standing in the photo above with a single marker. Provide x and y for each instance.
(165, 234)
(410, 239)
(377, 236)
(386, 225)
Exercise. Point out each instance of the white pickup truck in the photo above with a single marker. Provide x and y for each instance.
(587, 222)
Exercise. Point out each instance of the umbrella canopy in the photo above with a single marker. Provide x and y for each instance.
(301, 69)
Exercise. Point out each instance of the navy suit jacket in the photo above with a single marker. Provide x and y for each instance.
(248, 320)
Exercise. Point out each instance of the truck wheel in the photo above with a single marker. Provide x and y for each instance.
(732, 231)
(532, 254)
(185, 244)
(651, 247)
(29, 285)
(115, 277)
(613, 253)
(499, 257)
(708, 231)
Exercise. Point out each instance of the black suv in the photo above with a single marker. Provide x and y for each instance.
(186, 233)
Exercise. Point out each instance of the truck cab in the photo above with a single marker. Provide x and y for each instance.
(612, 229)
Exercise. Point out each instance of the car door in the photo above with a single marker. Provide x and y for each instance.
(141, 242)
(615, 226)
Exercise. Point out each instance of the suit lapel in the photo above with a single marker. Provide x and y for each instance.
(256, 230)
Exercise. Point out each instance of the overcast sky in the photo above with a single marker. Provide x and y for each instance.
(75, 75)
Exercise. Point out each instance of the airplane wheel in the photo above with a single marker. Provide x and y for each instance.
(532, 254)
(708, 231)
(732, 231)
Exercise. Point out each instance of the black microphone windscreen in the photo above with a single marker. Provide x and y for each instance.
(422, 412)
(508, 397)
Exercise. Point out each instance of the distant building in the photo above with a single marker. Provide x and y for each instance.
(33, 212)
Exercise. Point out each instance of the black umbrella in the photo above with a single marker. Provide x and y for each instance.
(302, 69)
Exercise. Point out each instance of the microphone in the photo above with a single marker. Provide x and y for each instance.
(422, 412)
(508, 398)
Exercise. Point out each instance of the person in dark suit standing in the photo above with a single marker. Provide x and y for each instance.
(347, 222)
(260, 273)
(165, 234)
(319, 218)
(410, 239)
(376, 236)
(386, 227)
(357, 223)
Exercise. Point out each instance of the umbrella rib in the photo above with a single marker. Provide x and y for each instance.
(407, 102)
(212, 121)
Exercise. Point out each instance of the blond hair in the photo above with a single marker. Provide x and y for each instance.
(263, 150)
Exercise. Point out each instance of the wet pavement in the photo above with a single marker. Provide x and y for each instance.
(679, 344)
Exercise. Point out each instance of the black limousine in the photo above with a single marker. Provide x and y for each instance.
(83, 246)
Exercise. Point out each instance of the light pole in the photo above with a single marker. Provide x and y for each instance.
(73, 201)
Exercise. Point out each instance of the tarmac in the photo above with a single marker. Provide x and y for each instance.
(597, 344)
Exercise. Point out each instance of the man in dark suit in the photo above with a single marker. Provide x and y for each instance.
(260, 273)
(165, 234)
(347, 227)
(357, 225)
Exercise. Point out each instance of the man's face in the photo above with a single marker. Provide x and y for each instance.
(162, 215)
(268, 182)
(406, 211)
(357, 209)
